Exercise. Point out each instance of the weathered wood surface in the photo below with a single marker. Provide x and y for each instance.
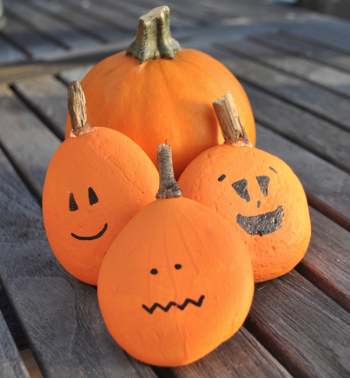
(318, 73)
(77, 19)
(308, 96)
(295, 44)
(58, 31)
(59, 314)
(29, 40)
(302, 327)
(9, 53)
(47, 97)
(240, 356)
(11, 364)
(327, 262)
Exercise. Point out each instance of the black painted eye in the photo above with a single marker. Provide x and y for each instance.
(72, 204)
(92, 197)
(273, 169)
(154, 271)
(264, 184)
(221, 177)
(241, 189)
(178, 266)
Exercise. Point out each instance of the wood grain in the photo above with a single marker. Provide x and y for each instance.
(28, 39)
(60, 32)
(305, 129)
(77, 19)
(240, 356)
(291, 43)
(312, 98)
(75, 74)
(59, 314)
(9, 53)
(302, 327)
(47, 96)
(327, 262)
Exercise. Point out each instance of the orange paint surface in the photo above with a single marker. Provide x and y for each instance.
(272, 254)
(164, 99)
(123, 180)
(175, 250)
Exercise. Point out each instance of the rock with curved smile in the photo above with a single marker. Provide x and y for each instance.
(91, 237)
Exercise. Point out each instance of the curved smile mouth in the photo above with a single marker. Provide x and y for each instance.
(91, 237)
(262, 224)
(170, 304)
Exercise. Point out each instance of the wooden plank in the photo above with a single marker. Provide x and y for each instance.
(75, 74)
(324, 76)
(326, 186)
(47, 96)
(327, 262)
(11, 364)
(28, 39)
(79, 20)
(29, 143)
(9, 53)
(240, 356)
(311, 132)
(312, 98)
(60, 32)
(291, 43)
(327, 32)
(302, 327)
(60, 315)
(108, 16)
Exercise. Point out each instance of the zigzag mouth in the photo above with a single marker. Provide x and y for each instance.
(170, 304)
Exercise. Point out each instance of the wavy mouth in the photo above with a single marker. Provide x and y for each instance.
(170, 304)
(91, 237)
(262, 224)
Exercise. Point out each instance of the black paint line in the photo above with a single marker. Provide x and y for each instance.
(222, 177)
(91, 237)
(272, 169)
(170, 304)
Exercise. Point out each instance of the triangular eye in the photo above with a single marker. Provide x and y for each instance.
(92, 197)
(241, 189)
(263, 182)
(72, 204)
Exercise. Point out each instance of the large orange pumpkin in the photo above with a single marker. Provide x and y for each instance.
(177, 281)
(95, 183)
(257, 192)
(165, 93)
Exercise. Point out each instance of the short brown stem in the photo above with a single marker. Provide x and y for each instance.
(76, 105)
(153, 39)
(230, 121)
(168, 187)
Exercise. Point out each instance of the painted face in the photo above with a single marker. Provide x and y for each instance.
(261, 224)
(175, 283)
(94, 185)
(259, 195)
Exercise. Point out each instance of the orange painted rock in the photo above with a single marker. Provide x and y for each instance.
(94, 185)
(162, 94)
(260, 196)
(176, 282)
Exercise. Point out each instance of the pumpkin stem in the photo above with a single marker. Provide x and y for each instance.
(77, 110)
(230, 121)
(153, 39)
(168, 187)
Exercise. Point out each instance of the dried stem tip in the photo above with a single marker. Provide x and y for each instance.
(76, 105)
(168, 187)
(153, 39)
(230, 121)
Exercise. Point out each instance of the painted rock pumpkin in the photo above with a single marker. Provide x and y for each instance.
(177, 281)
(257, 192)
(156, 91)
(95, 183)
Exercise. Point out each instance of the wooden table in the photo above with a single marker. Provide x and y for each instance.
(295, 68)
